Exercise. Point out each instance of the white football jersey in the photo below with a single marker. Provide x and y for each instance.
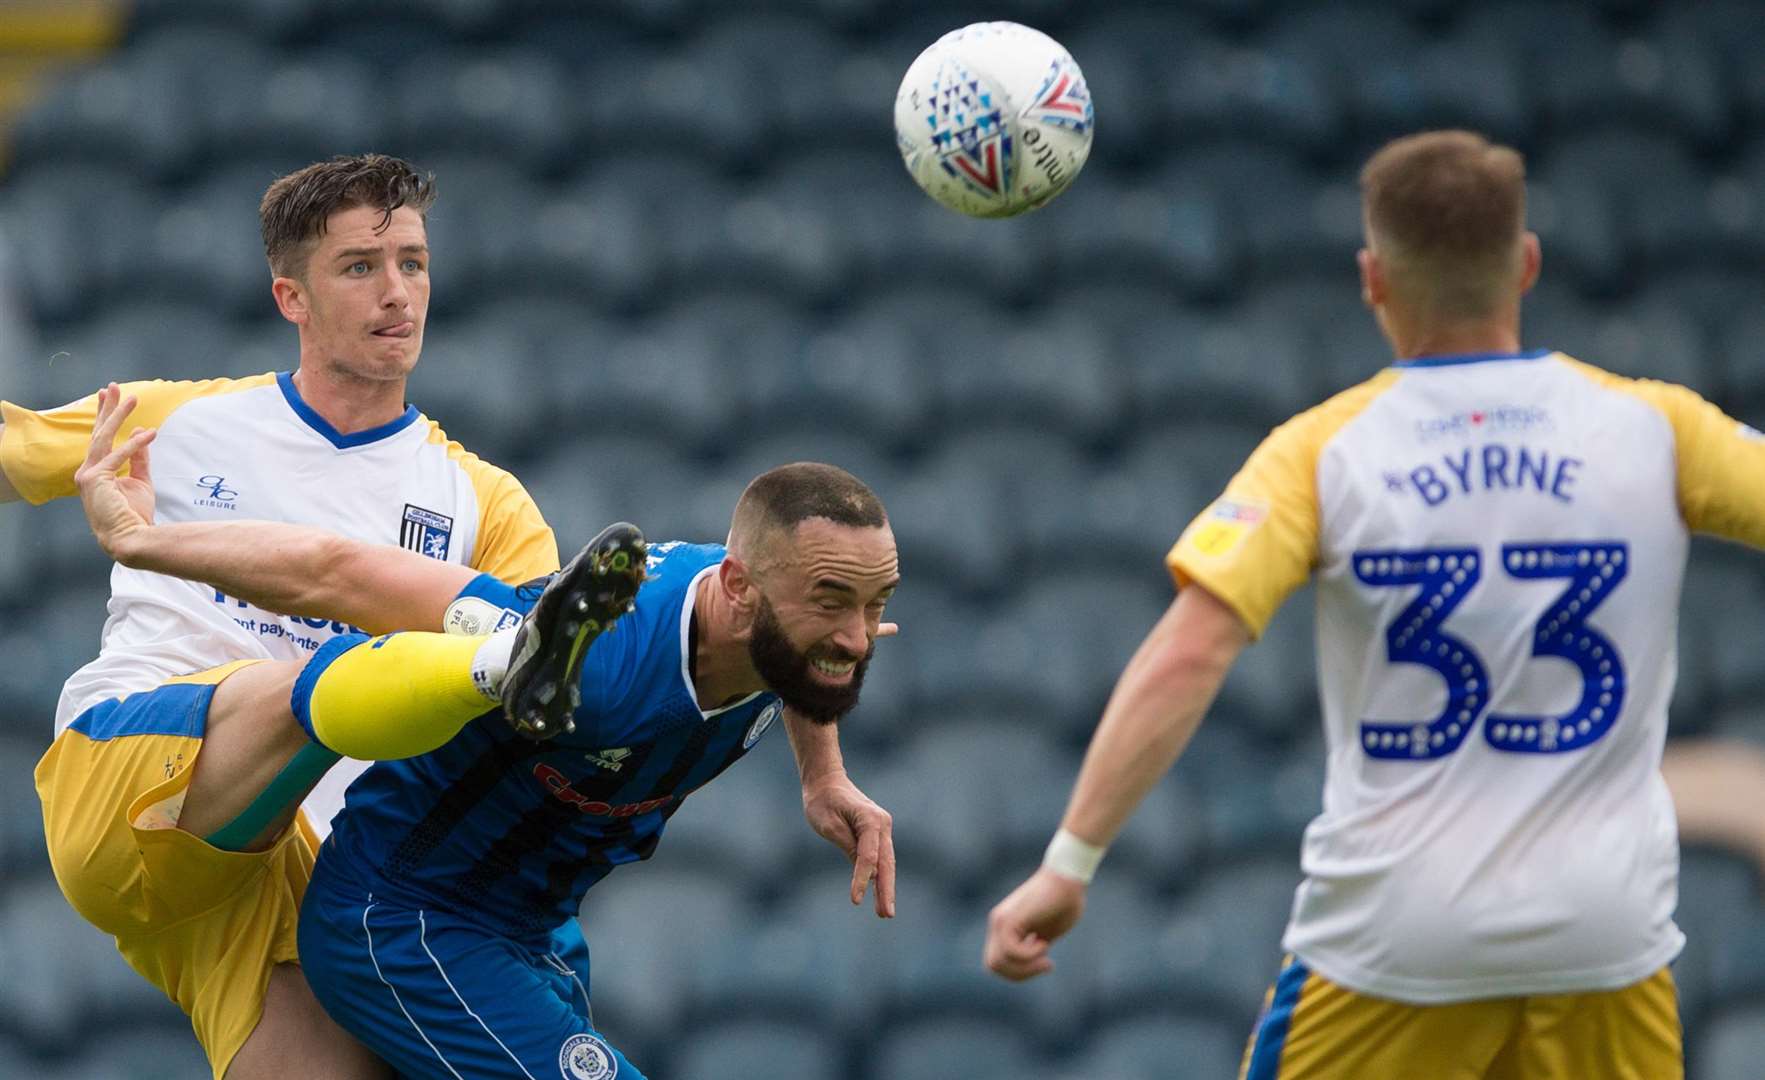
(237, 449)
(1498, 543)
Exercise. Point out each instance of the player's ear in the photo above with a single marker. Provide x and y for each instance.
(1534, 260)
(290, 297)
(1373, 284)
(739, 588)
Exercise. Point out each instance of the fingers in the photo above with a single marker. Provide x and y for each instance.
(1014, 953)
(887, 629)
(127, 450)
(885, 870)
(139, 464)
(113, 409)
(864, 866)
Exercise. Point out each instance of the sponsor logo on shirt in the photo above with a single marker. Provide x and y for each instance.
(216, 493)
(1225, 525)
(425, 532)
(1491, 420)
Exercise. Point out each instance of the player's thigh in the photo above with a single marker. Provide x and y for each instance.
(436, 996)
(1313, 1029)
(294, 1028)
(203, 925)
(251, 736)
(1628, 1034)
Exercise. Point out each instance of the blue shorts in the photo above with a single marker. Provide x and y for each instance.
(436, 995)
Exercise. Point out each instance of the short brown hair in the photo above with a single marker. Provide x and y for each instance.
(297, 206)
(780, 499)
(1447, 209)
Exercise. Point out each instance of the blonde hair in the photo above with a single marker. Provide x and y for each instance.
(1445, 212)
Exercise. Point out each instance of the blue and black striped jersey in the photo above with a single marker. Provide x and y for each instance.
(513, 832)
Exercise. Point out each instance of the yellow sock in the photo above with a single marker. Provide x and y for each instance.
(390, 697)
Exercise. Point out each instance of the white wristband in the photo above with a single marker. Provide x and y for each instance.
(1071, 857)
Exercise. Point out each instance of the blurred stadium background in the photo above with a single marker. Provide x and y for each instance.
(698, 205)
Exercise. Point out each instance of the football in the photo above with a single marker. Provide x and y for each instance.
(993, 119)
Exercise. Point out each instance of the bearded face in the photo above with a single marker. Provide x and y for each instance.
(821, 682)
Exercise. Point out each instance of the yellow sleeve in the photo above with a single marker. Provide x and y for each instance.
(1258, 542)
(39, 451)
(1721, 464)
(514, 542)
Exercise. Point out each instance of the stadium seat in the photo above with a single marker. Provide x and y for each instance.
(129, 112)
(1254, 797)
(63, 630)
(746, 826)
(954, 525)
(1289, 221)
(860, 252)
(269, 21)
(953, 1045)
(23, 741)
(160, 1051)
(654, 377)
(760, 1048)
(1732, 1045)
(1439, 83)
(51, 210)
(1134, 229)
(584, 486)
(1070, 633)
(1275, 87)
(688, 99)
(1718, 898)
(647, 929)
(1124, 53)
(1660, 196)
(1218, 947)
(1743, 364)
(815, 956)
(1273, 686)
(1193, 364)
(1150, 1046)
(62, 973)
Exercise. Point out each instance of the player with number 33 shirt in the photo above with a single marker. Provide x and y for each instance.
(1498, 538)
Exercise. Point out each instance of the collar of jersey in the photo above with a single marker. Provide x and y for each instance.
(323, 426)
(1449, 359)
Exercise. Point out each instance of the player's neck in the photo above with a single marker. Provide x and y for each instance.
(347, 403)
(722, 670)
(1455, 338)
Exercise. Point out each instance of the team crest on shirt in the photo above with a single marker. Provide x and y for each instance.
(760, 724)
(584, 1057)
(1225, 525)
(425, 532)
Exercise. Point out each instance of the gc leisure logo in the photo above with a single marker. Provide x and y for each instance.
(216, 493)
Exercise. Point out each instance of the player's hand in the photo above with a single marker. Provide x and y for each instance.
(848, 819)
(1022, 926)
(118, 508)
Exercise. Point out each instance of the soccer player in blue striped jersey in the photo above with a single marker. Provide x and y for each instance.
(439, 926)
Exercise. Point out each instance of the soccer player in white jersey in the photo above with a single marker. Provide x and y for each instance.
(1498, 538)
(171, 791)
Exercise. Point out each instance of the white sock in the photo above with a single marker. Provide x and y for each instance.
(491, 662)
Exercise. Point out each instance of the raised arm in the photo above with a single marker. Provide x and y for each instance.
(1156, 708)
(288, 569)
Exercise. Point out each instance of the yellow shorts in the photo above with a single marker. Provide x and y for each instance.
(1312, 1029)
(202, 924)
